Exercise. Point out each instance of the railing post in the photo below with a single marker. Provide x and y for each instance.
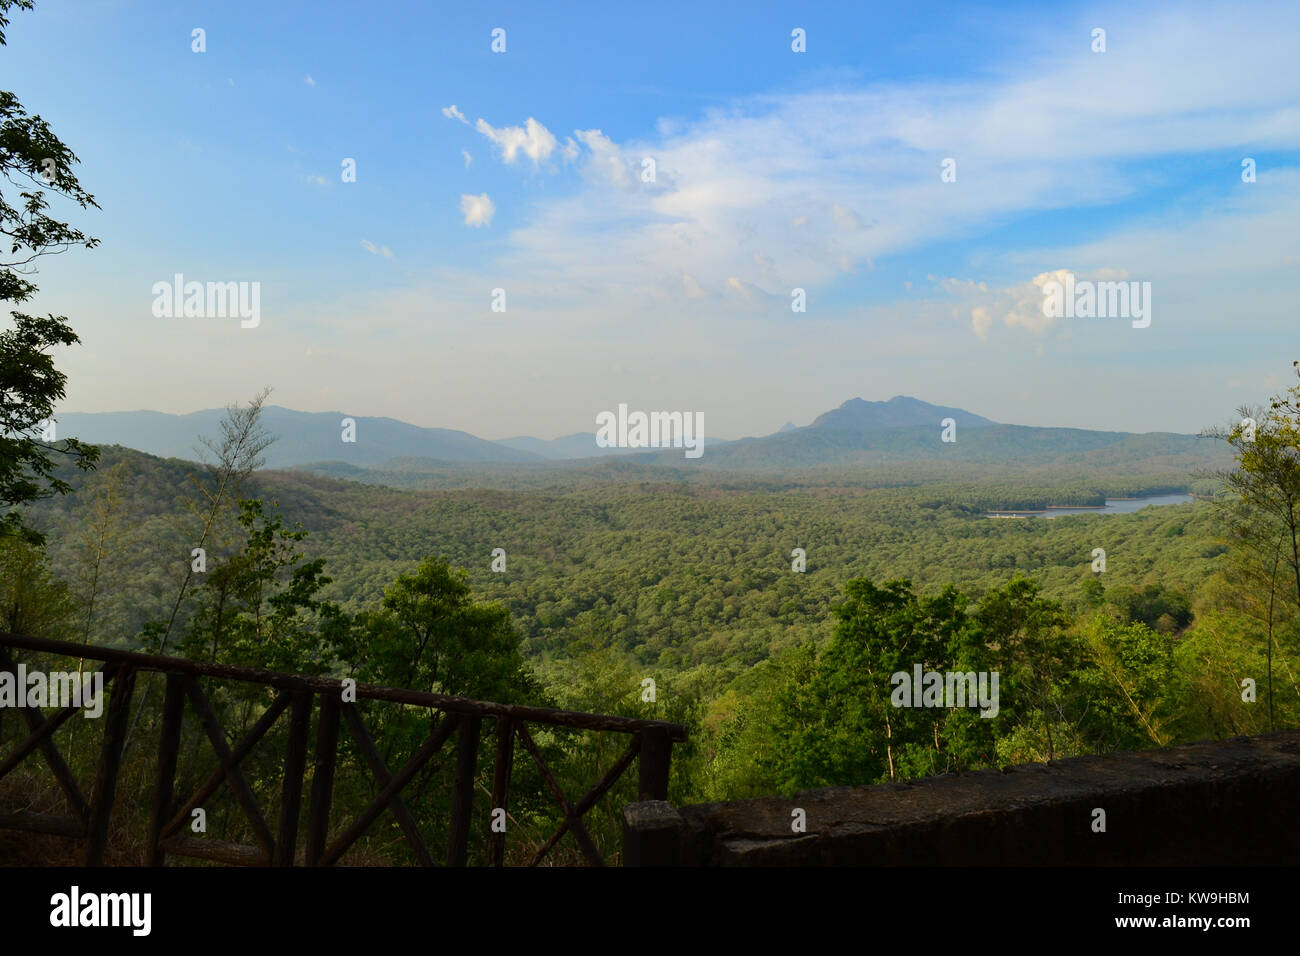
(501, 788)
(656, 751)
(462, 797)
(322, 781)
(110, 760)
(295, 763)
(168, 749)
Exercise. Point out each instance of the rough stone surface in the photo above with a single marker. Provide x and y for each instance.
(1216, 803)
(651, 830)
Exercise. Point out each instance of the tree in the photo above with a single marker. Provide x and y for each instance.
(260, 608)
(31, 156)
(237, 455)
(1132, 685)
(33, 601)
(1037, 663)
(100, 537)
(1263, 509)
(429, 634)
(748, 727)
(1265, 485)
(842, 726)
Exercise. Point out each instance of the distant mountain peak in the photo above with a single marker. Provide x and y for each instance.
(901, 411)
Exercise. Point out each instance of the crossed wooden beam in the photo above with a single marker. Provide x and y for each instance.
(90, 817)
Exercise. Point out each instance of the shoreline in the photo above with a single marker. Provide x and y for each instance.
(1027, 513)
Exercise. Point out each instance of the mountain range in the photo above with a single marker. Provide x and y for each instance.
(858, 432)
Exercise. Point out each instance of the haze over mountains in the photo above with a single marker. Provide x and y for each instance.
(302, 437)
(899, 412)
(902, 429)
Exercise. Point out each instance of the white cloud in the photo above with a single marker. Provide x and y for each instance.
(451, 112)
(606, 162)
(308, 80)
(468, 158)
(856, 171)
(534, 139)
(375, 250)
(1020, 306)
(478, 210)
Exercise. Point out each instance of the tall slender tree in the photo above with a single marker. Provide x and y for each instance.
(1264, 486)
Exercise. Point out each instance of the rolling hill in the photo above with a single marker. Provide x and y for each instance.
(302, 437)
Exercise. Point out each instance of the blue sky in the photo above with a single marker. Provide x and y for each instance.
(774, 170)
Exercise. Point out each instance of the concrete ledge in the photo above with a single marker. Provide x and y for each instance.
(1215, 803)
(651, 833)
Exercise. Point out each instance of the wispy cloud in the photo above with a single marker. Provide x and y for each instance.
(375, 250)
(532, 139)
(801, 189)
(478, 210)
(451, 112)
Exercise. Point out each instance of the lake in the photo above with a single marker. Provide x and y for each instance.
(1113, 506)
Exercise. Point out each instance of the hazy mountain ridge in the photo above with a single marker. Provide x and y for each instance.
(301, 437)
(564, 448)
(901, 411)
(858, 434)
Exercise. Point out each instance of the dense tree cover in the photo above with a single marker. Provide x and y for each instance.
(681, 576)
(1065, 687)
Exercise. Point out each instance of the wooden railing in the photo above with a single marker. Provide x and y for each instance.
(650, 744)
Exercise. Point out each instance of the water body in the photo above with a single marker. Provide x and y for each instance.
(1113, 506)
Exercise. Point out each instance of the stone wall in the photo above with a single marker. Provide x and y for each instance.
(1227, 802)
